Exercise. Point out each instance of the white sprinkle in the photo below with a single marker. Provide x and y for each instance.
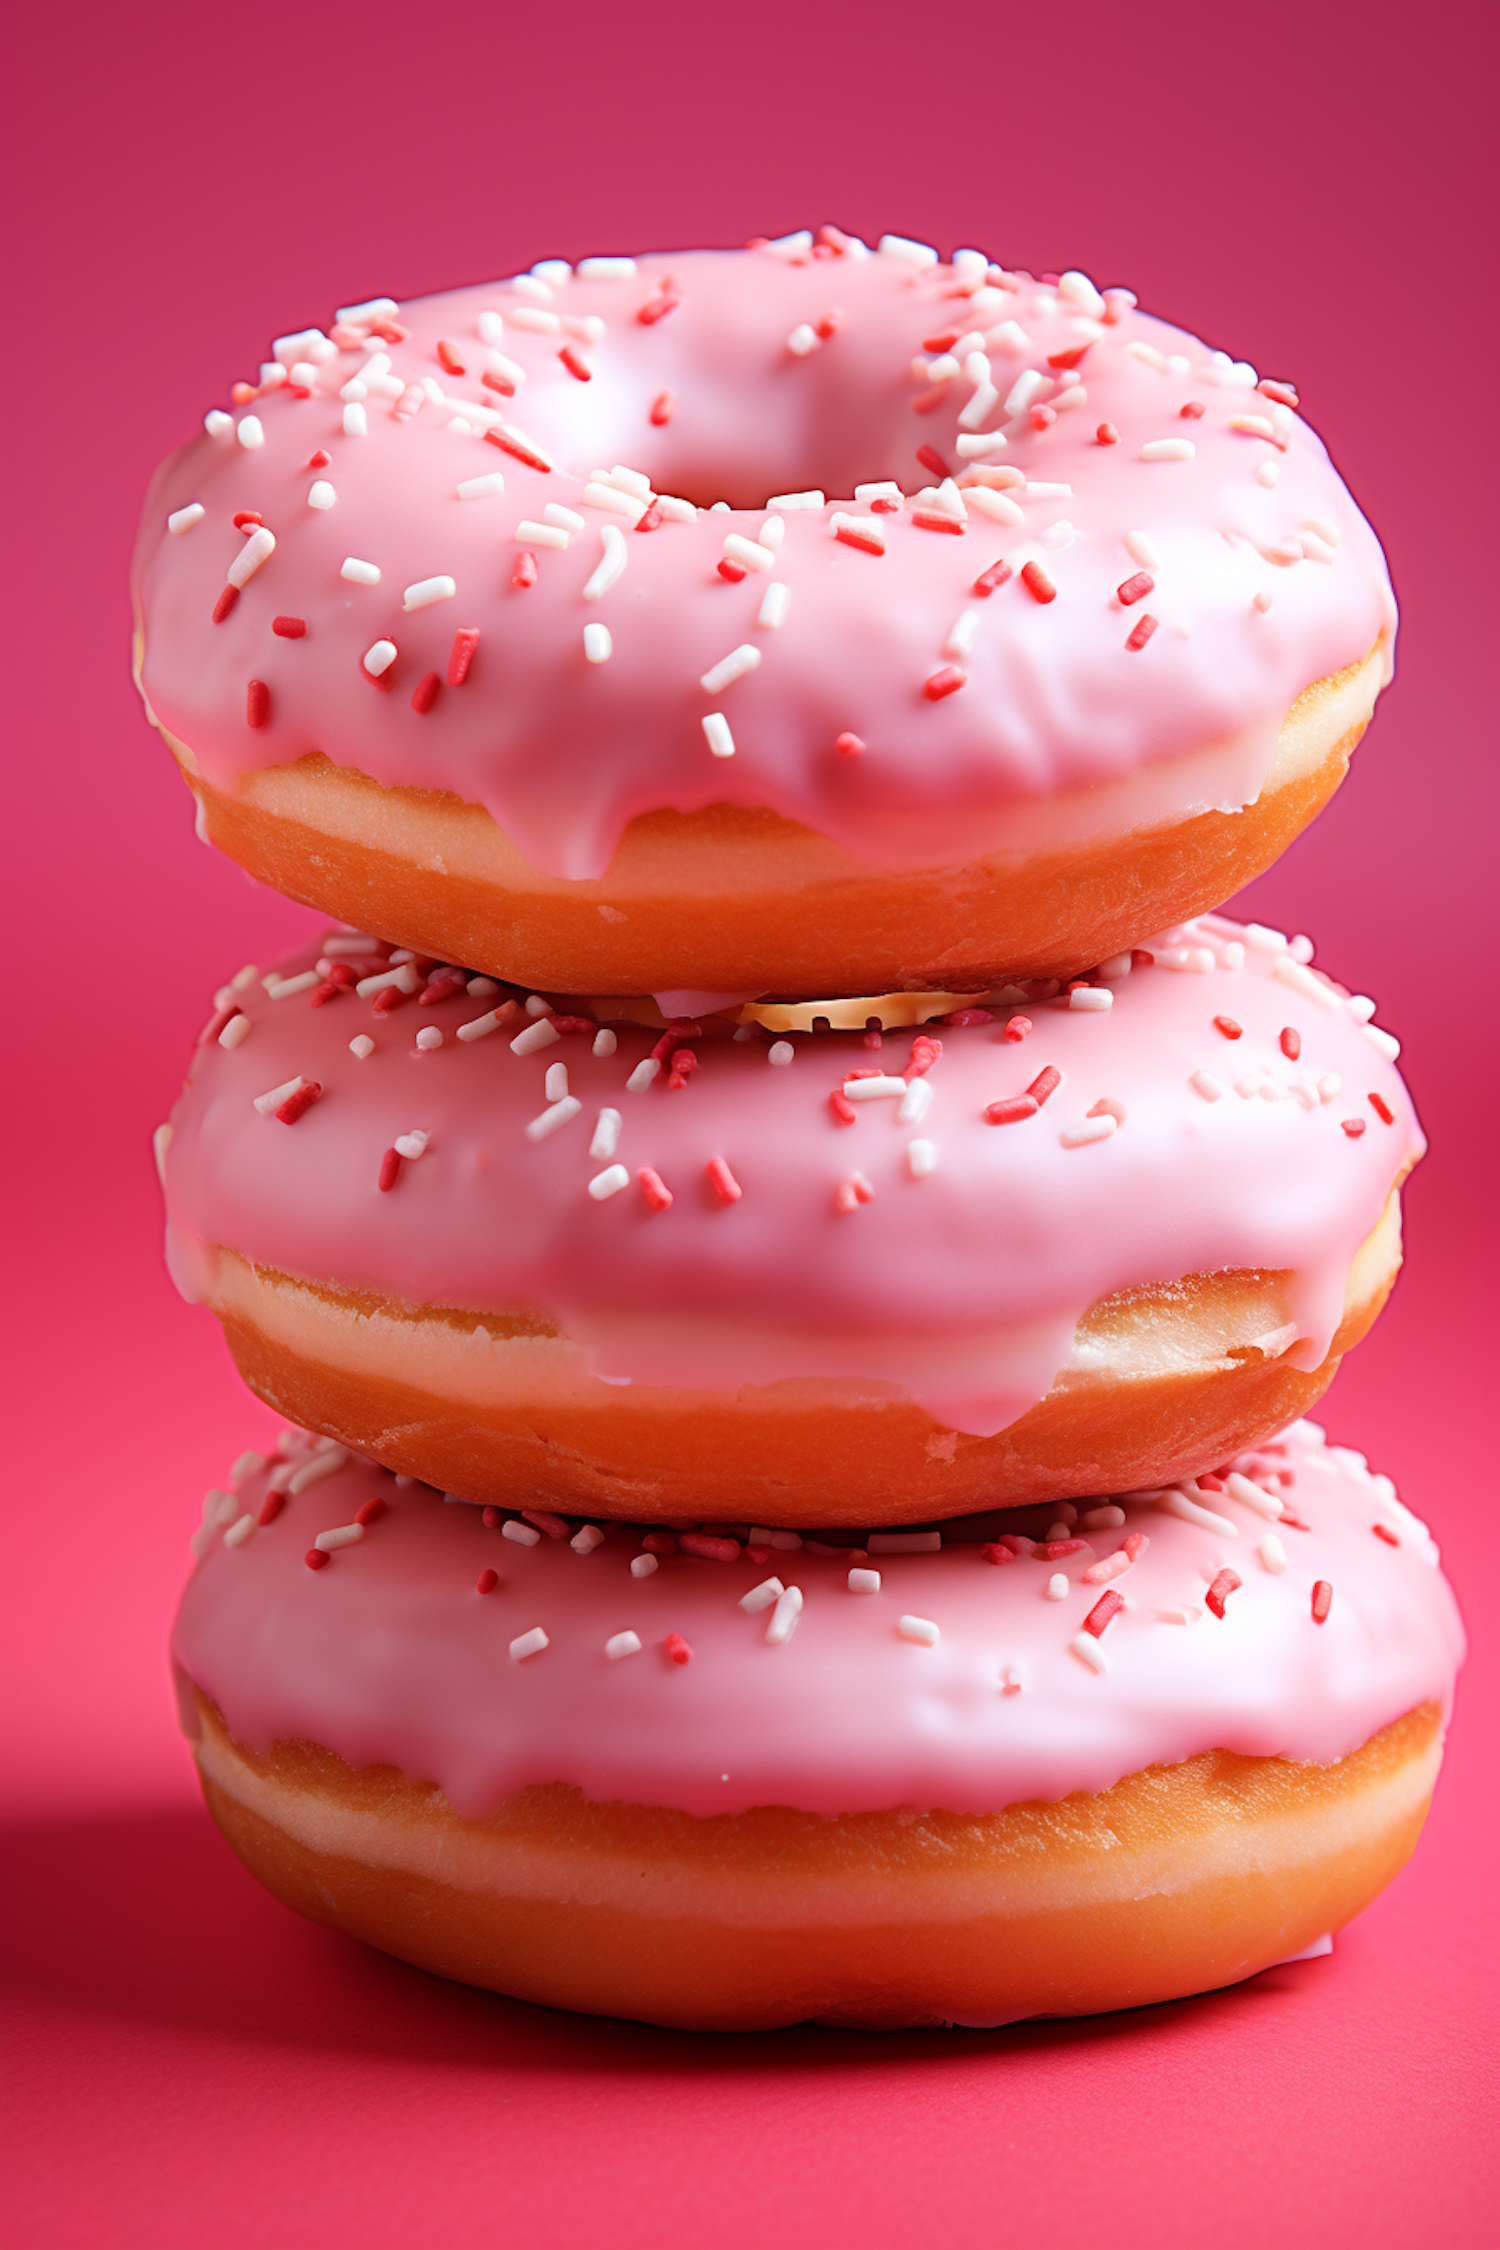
(605, 269)
(598, 643)
(361, 573)
(961, 633)
(1091, 999)
(481, 988)
(355, 423)
(864, 1582)
(864, 527)
(528, 1644)
(1360, 1006)
(379, 657)
(183, 519)
(404, 979)
(536, 1035)
(585, 1541)
(606, 1136)
(772, 532)
(524, 1534)
(343, 1535)
(733, 667)
(622, 1644)
(321, 494)
(784, 1617)
(921, 1159)
(508, 371)
(1328, 1085)
(980, 448)
(605, 1184)
(235, 1032)
(247, 562)
(942, 369)
(533, 287)
(555, 1084)
(265, 1103)
(533, 317)
(250, 433)
(482, 488)
(1169, 449)
(915, 1102)
(1059, 534)
(427, 590)
(1289, 971)
(1142, 548)
(1272, 1554)
(907, 252)
(537, 1006)
(1056, 1588)
(749, 554)
(781, 1052)
(428, 1038)
(1090, 1129)
(530, 534)
(239, 1531)
(362, 1046)
(644, 1074)
(1107, 1518)
(803, 339)
(614, 502)
(411, 1145)
(1204, 1082)
(1080, 291)
(1250, 1495)
(1024, 389)
(1382, 1042)
(642, 1566)
(564, 519)
(873, 1089)
(217, 423)
(761, 1597)
(605, 1042)
(1252, 425)
(610, 567)
(287, 988)
(1035, 491)
(480, 1027)
(716, 733)
(998, 506)
(559, 1113)
(1175, 1503)
(1087, 1650)
(919, 1629)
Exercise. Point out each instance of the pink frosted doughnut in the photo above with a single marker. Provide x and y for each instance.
(1058, 1245)
(1033, 624)
(737, 1785)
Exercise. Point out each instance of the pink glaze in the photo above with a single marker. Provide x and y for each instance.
(964, 1286)
(390, 1655)
(564, 752)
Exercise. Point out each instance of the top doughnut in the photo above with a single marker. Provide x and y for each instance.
(984, 623)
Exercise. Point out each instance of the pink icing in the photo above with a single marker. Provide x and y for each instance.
(564, 752)
(390, 1654)
(1008, 1239)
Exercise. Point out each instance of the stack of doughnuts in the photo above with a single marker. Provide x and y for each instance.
(793, 1242)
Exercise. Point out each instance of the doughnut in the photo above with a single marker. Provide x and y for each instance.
(1076, 1240)
(683, 1779)
(788, 621)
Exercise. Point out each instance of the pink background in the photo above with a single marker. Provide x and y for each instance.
(1299, 183)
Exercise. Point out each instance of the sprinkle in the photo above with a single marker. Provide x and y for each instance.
(342, 1535)
(608, 1183)
(875, 1087)
(598, 643)
(864, 1581)
(235, 1032)
(858, 531)
(257, 704)
(315, 1558)
(1037, 582)
(1141, 632)
(918, 1629)
(945, 681)
(657, 1194)
(412, 1145)
(784, 1617)
(1322, 1600)
(644, 1074)
(1353, 1126)
(257, 548)
(1169, 449)
(355, 421)
(676, 1650)
(360, 573)
(1272, 1554)
(606, 1136)
(622, 1644)
(722, 1180)
(1013, 1111)
(289, 628)
(1056, 1588)
(558, 1113)
(486, 1582)
(717, 735)
(605, 1042)
(225, 603)
(739, 661)
(1107, 1606)
(482, 488)
(428, 590)
(429, 1037)
(1091, 1129)
(524, 573)
(536, 1035)
(1176, 1503)
(663, 407)
(528, 1644)
(1249, 1495)
(520, 448)
(425, 693)
(321, 494)
(762, 1596)
(915, 1102)
(1382, 1109)
(183, 519)
(921, 1159)
(1221, 1589)
(1088, 1652)
(1135, 589)
(522, 1534)
(1091, 998)
(642, 1566)
(250, 433)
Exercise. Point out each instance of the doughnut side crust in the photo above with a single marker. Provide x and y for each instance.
(1172, 1381)
(736, 898)
(1178, 1879)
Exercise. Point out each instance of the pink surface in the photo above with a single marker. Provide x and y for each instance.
(190, 2063)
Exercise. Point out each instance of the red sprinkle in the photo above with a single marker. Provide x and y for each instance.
(500, 383)
(257, 704)
(931, 399)
(989, 581)
(289, 628)
(938, 519)
(319, 460)
(1291, 1043)
(1230, 1028)
(389, 998)
(225, 603)
(332, 988)
(519, 450)
(1012, 1111)
(1135, 589)
(1135, 1543)
(315, 1558)
(1353, 1126)
(943, 342)
(924, 1053)
(654, 1188)
(848, 745)
(663, 407)
(1192, 411)
(1037, 582)
(930, 458)
(1051, 1549)
(247, 519)
(657, 308)
(450, 359)
(368, 1510)
(711, 1548)
(489, 1517)
(1283, 393)
(676, 1650)
(844, 1112)
(684, 1063)
(961, 1018)
(425, 694)
(466, 641)
(298, 1104)
(659, 1543)
(1322, 1598)
(1042, 417)
(733, 571)
(1141, 632)
(993, 1552)
(945, 681)
(524, 573)
(1016, 1028)
(1107, 434)
(1108, 1604)
(1382, 1109)
(651, 520)
(1045, 1082)
(575, 364)
(850, 535)
(270, 1508)
(722, 1180)
(486, 1582)
(1382, 1531)
(390, 1169)
(1221, 1589)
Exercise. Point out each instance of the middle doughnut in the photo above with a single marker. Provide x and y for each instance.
(1077, 1242)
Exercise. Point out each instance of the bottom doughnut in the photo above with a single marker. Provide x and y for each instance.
(736, 1779)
